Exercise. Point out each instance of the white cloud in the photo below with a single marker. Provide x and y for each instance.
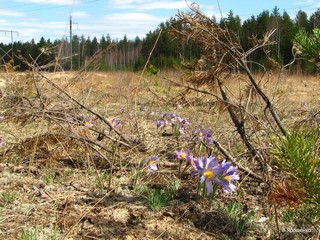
(129, 17)
(307, 4)
(25, 30)
(80, 14)
(147, 5)
(11, 13)
(51, 2)
(164, 5)
(303, 2)
(39, 26)
(118, 25)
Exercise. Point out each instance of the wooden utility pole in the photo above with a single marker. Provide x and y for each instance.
(12, 32)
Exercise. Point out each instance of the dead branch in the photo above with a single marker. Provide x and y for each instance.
(217, 43)
(239, 124)
(234, 161)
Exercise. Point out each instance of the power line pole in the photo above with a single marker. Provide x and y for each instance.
(71, 41)
(12, 32)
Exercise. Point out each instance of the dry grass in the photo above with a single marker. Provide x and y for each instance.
(55, 172)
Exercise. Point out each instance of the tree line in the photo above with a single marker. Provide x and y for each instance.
(169, 51)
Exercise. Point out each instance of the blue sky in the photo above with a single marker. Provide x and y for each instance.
(50, 18)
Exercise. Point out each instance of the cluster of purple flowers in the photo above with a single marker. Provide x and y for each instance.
(211, 172)
(204, 136)
(177, 123)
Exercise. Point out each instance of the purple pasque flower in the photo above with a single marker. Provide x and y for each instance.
(88, 123)
(183, 122)
(184, 155)
(160, 123)
(143, 108)
(205, 136)
(179, 125)
(209, 168)
(172, 115)
(202, 163)
(1, 141)
(152, 163)
(115, 122)
(227, 174)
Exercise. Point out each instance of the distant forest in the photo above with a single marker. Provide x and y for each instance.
(169, 52)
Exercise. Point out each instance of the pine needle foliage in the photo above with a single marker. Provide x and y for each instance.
(298, 155)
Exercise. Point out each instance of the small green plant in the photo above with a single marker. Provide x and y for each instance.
(173, 185)
(29, 235)
(101, 178)
(137, 186)
(304, 217)
(35, 234)
(158, 198)
(49, 177)
(241, 219)
(91, 171)
(7, 197)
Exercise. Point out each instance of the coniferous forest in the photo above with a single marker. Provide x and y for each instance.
(169, 52)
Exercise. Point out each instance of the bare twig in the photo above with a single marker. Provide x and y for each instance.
(235, 162)
(239, 124)
(84, 107)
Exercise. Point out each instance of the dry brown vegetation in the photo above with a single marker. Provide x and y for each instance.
(55, 174)
(68, 172)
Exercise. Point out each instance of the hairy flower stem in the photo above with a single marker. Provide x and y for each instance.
(215, 188)
(198, 188)
(114, 149)
(204, 189)
(179, 170)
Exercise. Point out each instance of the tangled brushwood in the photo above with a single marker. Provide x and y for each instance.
(216, 155)
(221, 52)
(66, 128)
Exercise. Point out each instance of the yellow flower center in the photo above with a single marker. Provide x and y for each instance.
(151, 162)
(208, 174)
(183, 155)
(228, 178)
(200, 134)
